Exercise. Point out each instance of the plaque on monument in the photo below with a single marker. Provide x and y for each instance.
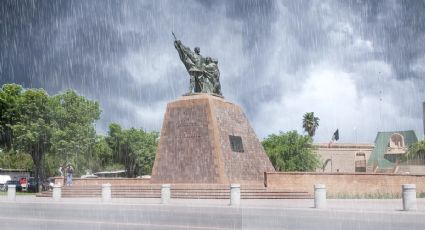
(204, 138)
(236, 143)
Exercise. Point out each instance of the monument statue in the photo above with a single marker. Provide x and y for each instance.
(204, 138)
(204, 73)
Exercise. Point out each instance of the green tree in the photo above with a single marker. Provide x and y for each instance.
(291, 152)
(55, 130)
(33, 130)
(415, 152)
(10, 95)
(52, 129)
(74, 135)
(103, 152)
(310, 123)
(16, 160)
(115, 139)
(134, 148)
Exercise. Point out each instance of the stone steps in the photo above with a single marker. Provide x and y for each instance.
(182, 192)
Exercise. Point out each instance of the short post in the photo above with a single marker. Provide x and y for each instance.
(57, 192)
(409, 197)
(320, 196)
(165, 193)
(11, 192)
(235, 194)
(106, 192)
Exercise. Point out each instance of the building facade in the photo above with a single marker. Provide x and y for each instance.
(344, 157)
(383, 156)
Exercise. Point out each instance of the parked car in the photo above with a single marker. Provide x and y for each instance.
(3, 180)
(24, 182)
(13, 182)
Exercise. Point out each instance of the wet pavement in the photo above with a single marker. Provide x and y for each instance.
(29, 212)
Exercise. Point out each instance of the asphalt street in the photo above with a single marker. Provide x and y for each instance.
(96, 215)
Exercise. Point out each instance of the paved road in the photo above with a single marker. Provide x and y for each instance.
(95, 215)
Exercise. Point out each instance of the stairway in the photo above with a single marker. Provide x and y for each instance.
(182, 191)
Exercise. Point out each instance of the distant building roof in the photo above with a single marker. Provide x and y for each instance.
(382, 141)
(14, 170)
(343, 146)
(117, 173)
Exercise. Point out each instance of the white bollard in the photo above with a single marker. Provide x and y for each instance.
(11, 192)
(409, 197)
(320, 196)
(165, 193)
(235, 194)
(57, 192)
(106, 192)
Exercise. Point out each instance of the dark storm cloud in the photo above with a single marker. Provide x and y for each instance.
(278, 59)
(24, 37)
(398, 28)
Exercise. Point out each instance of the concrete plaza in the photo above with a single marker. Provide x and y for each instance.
(29, 212)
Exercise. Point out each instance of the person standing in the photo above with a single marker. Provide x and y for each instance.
(61, 170)
(69, 172)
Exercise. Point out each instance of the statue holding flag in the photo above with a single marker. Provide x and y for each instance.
(204, 73)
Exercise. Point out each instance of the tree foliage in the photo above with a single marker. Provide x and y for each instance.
(59, 128)
(33, 129)
(74, 135)
(416, 151)
(16, 160)
(291, 152)
(310, 123)
(104, 154)
(134, 148)
(44, 132)
(10, 95)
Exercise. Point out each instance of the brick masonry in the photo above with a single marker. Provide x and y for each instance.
(345, 184)
(195, 148)
(100, 181)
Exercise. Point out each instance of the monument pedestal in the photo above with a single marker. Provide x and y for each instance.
(206, 139)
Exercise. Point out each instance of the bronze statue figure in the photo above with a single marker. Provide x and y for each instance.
(204, 73)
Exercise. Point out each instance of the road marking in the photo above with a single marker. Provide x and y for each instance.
(109, 223)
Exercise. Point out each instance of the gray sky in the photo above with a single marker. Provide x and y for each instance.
(359, 65)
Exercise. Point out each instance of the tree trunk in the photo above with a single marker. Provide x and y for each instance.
(37, 157)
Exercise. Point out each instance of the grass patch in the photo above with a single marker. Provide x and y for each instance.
(371, 196)
(365, 196)
(18, 193)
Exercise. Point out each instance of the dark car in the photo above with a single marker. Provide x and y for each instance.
(13, 182)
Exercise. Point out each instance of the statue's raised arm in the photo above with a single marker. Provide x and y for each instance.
(189, 58)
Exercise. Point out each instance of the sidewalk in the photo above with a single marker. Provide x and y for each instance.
(360, 205)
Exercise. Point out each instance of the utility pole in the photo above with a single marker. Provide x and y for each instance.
(423, 116)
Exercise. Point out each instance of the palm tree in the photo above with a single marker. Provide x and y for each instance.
(310, 123)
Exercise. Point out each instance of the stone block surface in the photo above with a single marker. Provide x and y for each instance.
(195, 145)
